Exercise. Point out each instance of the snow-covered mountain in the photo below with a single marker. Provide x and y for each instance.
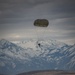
(27, 56)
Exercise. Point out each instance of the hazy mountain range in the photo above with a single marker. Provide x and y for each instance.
(26, 56)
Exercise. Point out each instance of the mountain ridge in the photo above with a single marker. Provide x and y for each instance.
(15, 58)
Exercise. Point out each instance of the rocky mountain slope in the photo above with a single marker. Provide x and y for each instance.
(27, 55)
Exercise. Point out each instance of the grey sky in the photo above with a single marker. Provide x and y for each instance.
(17, 17)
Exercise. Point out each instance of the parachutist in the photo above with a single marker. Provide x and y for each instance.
(39, 44)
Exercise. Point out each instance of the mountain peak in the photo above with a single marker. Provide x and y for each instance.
(4, 41)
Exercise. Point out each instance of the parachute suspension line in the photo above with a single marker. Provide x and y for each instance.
(37, 31)
(43, 32)
(40, 32)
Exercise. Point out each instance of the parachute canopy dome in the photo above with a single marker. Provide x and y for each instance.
(41, 23)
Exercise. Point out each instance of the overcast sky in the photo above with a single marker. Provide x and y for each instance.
(17, 18)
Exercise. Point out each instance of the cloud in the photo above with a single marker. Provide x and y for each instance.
(16, 16)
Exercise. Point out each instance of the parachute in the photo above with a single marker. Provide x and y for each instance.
(40, 27)
(41, 23)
